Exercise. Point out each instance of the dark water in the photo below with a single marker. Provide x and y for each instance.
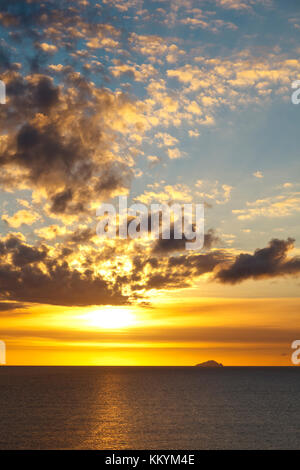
(149, 408)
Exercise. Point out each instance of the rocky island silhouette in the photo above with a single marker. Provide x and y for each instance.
(209, 364)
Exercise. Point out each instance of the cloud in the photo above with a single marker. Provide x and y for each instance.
(236, 80)
(268, 262)
(60, 142)
(246, 6)
(47, 47)
(8, 306)
(181, 271)
(165, 246)
(140, 73)
(33, 274)
(50, 232)
(21, 217)
(282, 205)
(162, 270)
(59, 23)
(72, 138)
(166, 140)
(174, 153)
(220, 193)
(179, 192)
(154, 47)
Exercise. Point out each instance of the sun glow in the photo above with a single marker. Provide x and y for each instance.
(111, 318)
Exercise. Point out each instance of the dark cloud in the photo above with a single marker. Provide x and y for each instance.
(7, 306)
(42, 275)
(61, 135)
(33, 275)
(171, 272)
(168, 272)
(31, 96)
(67, 139)
(60, 201)
(169, 245)
(198, 263)
(82, 235)
(267, 262)
(45, 94)
(48, 155)
(108, 181)
(61, 141)
(25, 254)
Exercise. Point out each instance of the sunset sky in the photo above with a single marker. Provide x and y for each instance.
(184, 101)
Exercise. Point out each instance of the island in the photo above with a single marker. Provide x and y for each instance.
(209, 364)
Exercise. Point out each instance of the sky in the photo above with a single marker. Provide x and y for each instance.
(179, 101)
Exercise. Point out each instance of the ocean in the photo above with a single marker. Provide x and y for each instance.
(149, 408)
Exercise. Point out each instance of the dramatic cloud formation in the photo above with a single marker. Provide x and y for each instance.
(61, 141)
(162, 245)
(266, 262)
(98, 106)
(8, 306)
(166, 102)
(30, 274)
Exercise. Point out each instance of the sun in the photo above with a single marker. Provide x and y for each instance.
(111, 318)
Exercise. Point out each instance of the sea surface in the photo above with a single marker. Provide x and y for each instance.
(149, 408)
